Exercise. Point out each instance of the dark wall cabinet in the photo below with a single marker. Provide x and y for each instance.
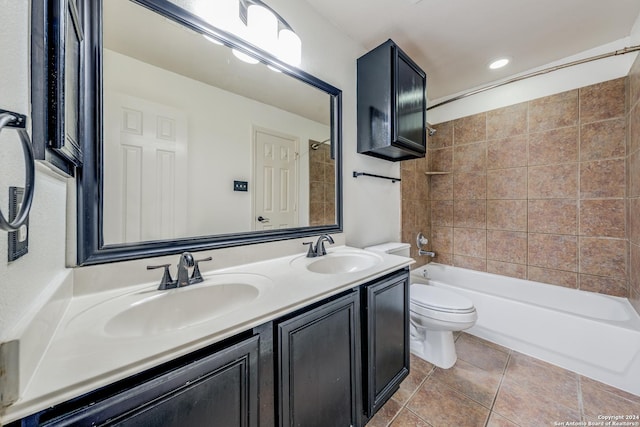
(385, 325)
(391, 104)
(334, 363)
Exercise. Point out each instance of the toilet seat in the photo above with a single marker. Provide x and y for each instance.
(431, 298)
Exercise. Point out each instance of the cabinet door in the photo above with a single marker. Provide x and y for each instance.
(386, 338)
(318, 361)
(218, 390)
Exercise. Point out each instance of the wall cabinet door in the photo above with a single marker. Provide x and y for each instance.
(385, 339)
(318, 366)
(217, 390)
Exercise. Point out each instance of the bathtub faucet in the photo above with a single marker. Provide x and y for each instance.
(426, 253)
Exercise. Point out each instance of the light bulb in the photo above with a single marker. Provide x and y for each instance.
(290, 47)
(262, 26)
(244, 57)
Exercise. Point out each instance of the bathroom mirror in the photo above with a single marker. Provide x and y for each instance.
(191, 148)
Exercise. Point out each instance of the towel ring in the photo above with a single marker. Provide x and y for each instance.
(17, 121)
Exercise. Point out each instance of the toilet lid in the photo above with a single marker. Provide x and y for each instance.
(429, 296)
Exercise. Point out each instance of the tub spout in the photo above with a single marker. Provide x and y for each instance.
(426, 253)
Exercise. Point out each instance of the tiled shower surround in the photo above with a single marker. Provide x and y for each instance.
(545, 190)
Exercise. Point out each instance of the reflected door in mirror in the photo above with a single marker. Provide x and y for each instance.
(145, 157)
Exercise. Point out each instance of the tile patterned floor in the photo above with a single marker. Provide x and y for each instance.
(493, 386)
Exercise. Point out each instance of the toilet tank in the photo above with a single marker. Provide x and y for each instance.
(394, 248)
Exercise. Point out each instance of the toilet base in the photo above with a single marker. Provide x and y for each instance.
(437, 347)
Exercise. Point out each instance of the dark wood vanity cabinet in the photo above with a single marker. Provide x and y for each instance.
(318, 370)
(391, 91)
(219, 389)
(333, 363)
(385, 339)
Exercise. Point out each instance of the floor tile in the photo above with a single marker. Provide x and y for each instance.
(497, 420)
(440, 405)
(473, 382)
(543, 378)
(418, 372)
(600, 399)
(525, 407)
(481, 353)
(406, 418)
(383, 417)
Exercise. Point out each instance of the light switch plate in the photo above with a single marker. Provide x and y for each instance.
(18, 240)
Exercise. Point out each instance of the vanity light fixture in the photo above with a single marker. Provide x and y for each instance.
(498, 63)
(260, 25)
(265, 28)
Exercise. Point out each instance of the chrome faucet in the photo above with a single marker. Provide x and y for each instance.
(186, 261)
(318, 249)
(420, 241)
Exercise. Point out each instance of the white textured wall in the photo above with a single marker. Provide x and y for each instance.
(22, 282)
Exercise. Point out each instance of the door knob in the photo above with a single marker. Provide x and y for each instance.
(262, 219)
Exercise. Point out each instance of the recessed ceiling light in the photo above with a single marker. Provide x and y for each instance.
(499, 63)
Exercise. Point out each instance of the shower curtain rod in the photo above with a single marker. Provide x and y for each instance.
(538, 73)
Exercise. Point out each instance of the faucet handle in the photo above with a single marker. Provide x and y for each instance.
(311, 253)
(196, 277)
(166, 282)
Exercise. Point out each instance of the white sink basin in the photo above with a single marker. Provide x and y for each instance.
(339, 262)
(152, 312)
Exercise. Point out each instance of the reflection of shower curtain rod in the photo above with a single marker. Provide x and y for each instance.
(538, 73)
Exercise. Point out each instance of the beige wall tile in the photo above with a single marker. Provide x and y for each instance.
(553, 111)
(602, 140)
(441, 160)
(472, 263)
(602, 101)
(553, 146)
(443, 136)
(633, 174)
(634, 83)
(507, 152)
(507, 121)
(603, 178)
(602, 217)
(634, 129)
(507, 215)
(634, 220)
(507, 183)
(604, 285)
(470, 242)
(508, 246)
(519, 271)
(603, 257)
(470, 213)
(553, 216)
(634, 272)
(441, 187)
(470, 129)
(553, 251)
(442, 239)
(553, 182)
(469, 185)
(442, 213)
(444, 258)
(566, 279)
(470, 157)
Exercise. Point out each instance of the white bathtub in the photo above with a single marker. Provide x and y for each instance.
(595, 335)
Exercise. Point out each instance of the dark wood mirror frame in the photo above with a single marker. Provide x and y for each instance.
(91, 248)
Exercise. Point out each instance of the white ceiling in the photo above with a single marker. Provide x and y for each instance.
(454, 40)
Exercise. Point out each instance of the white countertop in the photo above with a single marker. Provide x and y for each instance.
(84, 356)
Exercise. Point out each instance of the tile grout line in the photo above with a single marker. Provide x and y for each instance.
(580, 400)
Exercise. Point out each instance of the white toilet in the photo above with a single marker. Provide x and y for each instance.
(435, 314)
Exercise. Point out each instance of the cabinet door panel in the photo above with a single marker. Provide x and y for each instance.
(318, 361)
(387, 339)
(220, 389)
